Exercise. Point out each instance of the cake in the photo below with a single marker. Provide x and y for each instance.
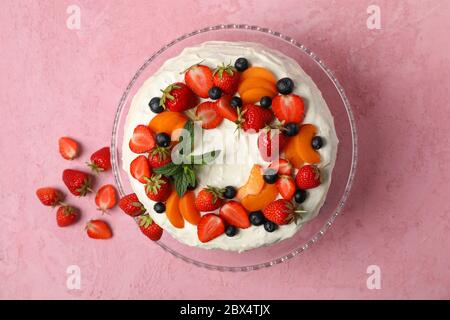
(246, 102)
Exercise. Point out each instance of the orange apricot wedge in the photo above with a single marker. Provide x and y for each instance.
(254, 95)
(254, 183)
(188, 209)
(168, 122)
(258, 72)
(291, 153)
(253, 83)
(259, 201)
(173, 211)
(303, 144)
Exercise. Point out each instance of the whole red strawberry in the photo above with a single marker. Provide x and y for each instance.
(100, 160)
(159, 156)
(209, 199)
(67, 215)
(254, 117)
(178, 97)
(78, 182)
(226, 78)
(270, 144)
(49, 196)
(131, 205)
(308, 177)
(200, 79)
(150, 228)
(158, 187)
(98, 229)
(281, 212)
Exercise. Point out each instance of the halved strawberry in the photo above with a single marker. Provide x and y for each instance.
(98, 229)
(282, 166)
(210, 227)
(143, 139)
(140, 169)
(226, 78)
(288, 108)
(225, 109)
(271, 143)
(286, 186)
(106, 197)
(200, 79)
(235, 214)
(68, 148)
(207, 113)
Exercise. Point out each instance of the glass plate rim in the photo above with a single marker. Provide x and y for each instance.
(333, 79)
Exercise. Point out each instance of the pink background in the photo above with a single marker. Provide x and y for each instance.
(55, 81)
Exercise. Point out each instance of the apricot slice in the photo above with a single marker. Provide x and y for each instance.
(173, 211)
(254, 183)
(303, 144)
(188, 209)
(254, 95)
(252, 83)
(259, 201)
(258, 72)
(291, 152)
(168, 122)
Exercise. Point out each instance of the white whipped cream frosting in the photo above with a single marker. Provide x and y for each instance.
(212, 54)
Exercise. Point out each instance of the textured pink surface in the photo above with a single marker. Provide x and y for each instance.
(56, 82)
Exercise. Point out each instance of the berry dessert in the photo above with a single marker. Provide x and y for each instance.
(229, 145)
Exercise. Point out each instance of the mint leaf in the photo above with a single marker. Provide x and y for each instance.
(168, 170)
(205, 158)
(181, 183)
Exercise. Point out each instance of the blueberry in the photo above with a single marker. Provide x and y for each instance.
(159, 207)
(265, 102)
(241, 64)
(270, 226)
(236, 102)
(215, 93)
(270, 176)
(163, 139)
(256, 218)
(317, 142)
(154, 105)
(291, 129)
(285, 86)
(231, 231)
(230, 192)
(300, 195)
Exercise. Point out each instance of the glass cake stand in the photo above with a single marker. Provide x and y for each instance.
(343, 173)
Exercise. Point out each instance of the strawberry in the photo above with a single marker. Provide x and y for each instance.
(150, 228)
(68, 148)
(282, 166)
(308, 177)
(225, 109)
(235, 214)
(131, 205)
(254, 117)
(270, 144)
(140, 169)
(106, 197)
(158, 157)
(281, 212)
(288, 108)
(209, 199)
(199, 79)
(142, 140)
(158, 187)
(78, 182)
(286, 186)
(226, 78)
(66, 215)
(210, 227)
(49, 196)
(98, 229)
(100, 160)
(178, 97)
(208, 115)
